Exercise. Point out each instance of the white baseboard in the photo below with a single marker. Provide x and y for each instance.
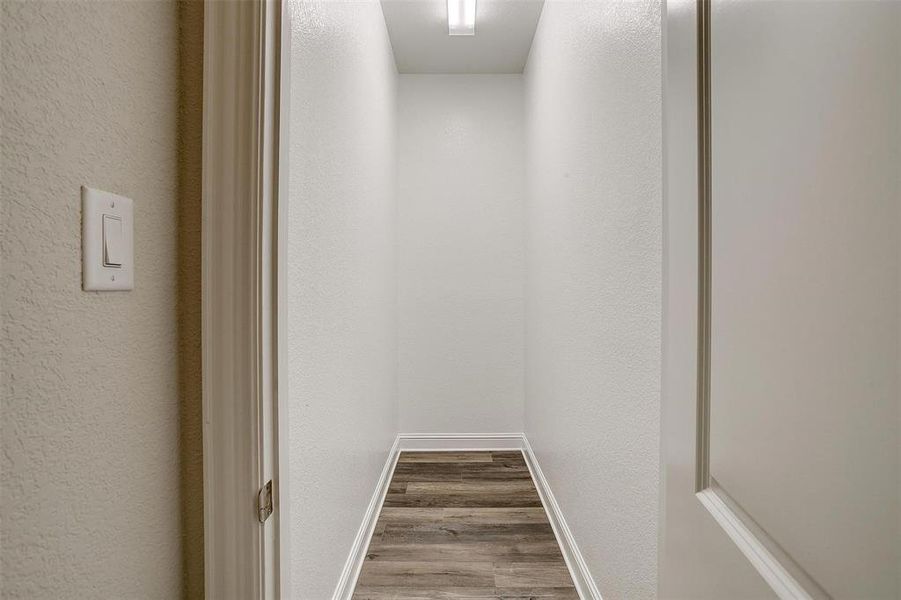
(574, 561)
(448, 442)
(351, 571)
(459, 442)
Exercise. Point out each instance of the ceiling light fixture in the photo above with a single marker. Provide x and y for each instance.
(461, 17)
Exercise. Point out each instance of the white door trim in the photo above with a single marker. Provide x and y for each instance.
(241, 148)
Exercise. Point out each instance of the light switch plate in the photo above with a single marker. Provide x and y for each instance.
(95, 276)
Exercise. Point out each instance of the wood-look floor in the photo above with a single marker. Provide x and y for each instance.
(461, 525)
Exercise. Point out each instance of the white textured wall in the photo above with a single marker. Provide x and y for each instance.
(90, 500)
(342, 413)
(593, 92)
(461, 252)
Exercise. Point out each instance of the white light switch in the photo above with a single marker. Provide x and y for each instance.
(107, 241)
(112, 241)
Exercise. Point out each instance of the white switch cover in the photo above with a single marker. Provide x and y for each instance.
(107, 241)
(112, 241)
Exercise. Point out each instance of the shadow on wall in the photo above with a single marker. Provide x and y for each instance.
(190, 146)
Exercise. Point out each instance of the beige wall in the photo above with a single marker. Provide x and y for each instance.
(92, 420)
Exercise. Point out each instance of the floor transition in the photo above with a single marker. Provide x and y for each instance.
(460, 525)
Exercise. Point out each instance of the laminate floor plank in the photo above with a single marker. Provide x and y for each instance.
(502, 553)
(514, 500)
(496, 475)
(430, 575)
(470, 487)
(443, 533)
(512, 456)
(458, 593)
(397, 487)
(446, 474)
(436, 472)
(471, 516)
(530, 574)
(463, 526)
(446, 593)
(445, 457)
(560, 593)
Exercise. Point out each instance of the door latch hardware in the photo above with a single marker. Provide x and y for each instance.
(264, 502)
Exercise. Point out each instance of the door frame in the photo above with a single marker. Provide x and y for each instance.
(242, 245)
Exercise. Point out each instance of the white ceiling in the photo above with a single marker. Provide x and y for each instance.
(504, 31)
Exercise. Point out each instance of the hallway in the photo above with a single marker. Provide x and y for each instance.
(450, 299)
(463, 525)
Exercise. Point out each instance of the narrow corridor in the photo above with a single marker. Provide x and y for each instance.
(463, 525)
(450, 299)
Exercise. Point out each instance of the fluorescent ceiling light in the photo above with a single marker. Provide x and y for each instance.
(461, 17)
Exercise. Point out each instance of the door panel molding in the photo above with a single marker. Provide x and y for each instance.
(782, 573)
(787, 578)
(705, 255)
(696, 557)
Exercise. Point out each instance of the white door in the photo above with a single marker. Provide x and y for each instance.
(781, 479)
